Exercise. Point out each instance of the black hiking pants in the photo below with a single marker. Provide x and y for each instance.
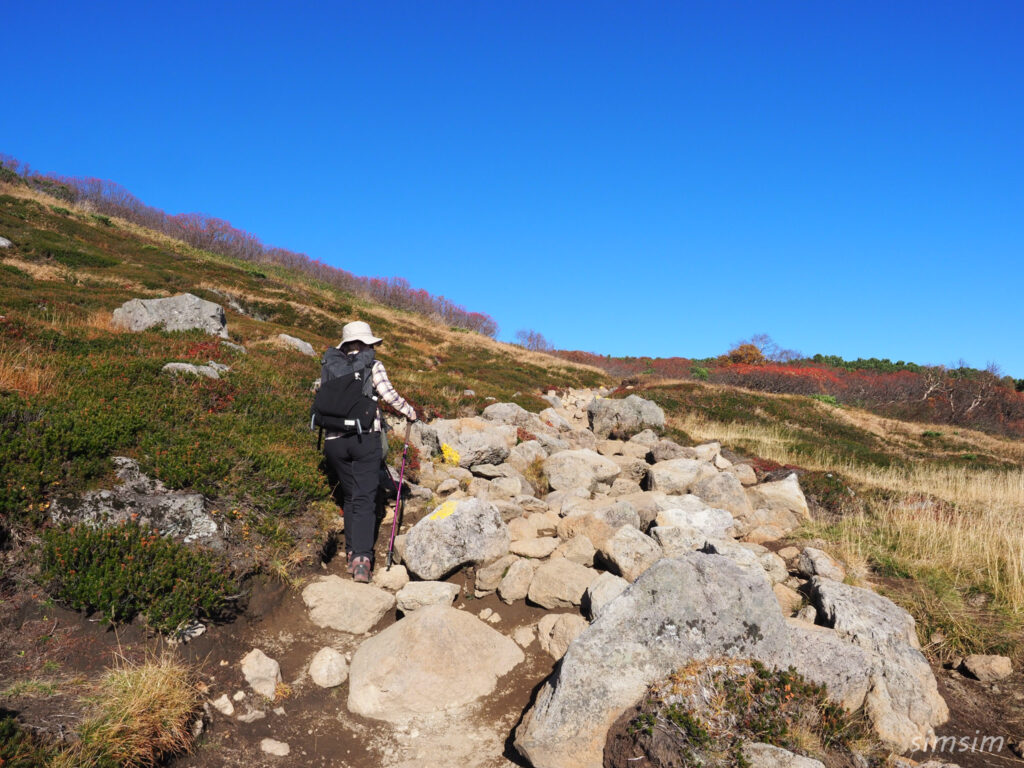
(354, 460)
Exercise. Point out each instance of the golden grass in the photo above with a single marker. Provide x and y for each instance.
(944, 525)
(25, 371)
(142, 713)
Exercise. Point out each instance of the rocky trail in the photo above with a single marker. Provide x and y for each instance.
(551, 568)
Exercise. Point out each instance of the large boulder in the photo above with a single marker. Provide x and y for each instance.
(693, 512)
(434, 660)
(582, 468)
(514, 415)
(724, 491)
(903, 702)
(560, 583)
(678, 476)
(475, 440)
(297, 344)
(147, 501)
(689, 608)
(776, 509)
(183, 312)
(458, 532)
(346, 606)
(630, 552)
(624, 418)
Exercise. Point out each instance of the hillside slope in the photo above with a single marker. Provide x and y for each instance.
(74, 390)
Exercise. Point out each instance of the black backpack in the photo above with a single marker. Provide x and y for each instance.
(345, 401)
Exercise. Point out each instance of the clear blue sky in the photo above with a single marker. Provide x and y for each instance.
(627, 178)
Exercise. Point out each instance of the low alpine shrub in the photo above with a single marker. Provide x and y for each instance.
(128, 569)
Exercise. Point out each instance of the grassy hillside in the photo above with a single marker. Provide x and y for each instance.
(74, 390)
(934, 514)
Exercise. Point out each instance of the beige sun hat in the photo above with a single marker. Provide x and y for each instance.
(358, 331)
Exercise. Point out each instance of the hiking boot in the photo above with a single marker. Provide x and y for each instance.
(361, 570)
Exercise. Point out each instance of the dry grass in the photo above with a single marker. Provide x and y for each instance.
(142, 714)
(953, 530)
(24, 370)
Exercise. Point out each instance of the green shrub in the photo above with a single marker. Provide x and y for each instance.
(60, 209)
(104, 220)
(699, 373)
(931, 433)
(128, 569)
(710, 708)
(827, 399)
(18, 748)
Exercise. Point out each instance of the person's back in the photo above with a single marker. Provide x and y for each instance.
(353, 453)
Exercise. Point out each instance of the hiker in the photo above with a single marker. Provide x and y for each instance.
(353, 440)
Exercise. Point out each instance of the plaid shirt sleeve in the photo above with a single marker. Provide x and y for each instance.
(387, 392)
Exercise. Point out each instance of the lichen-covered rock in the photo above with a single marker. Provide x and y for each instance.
(631, 552)
(557, 630)
(624, 418)
(183, 312)
(581, 468)
(693, 607)
(903, 702)
(297, 344)
(456, 533)
(475, 440)
(679, 476)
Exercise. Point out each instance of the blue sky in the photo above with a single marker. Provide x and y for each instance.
(627, 178)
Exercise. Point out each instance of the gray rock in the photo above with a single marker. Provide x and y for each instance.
(988, 669)
(707, 451)
(420, 594)
(666, 450)
(261, 672)
(760, 755)
(223, 705)
(679, 476)
(183, 312)
(560, 583)
(808, 614)
(557, 630)
(179, 514)
(903, 702)
(346, 606)
(392, 579)
(774, 566)
(776, 509)
(602, 590)
(681, 609)
(647, 437)
(522, 456)
(579, 549)
(275, 747)
(724, 491)
(456, 533)
(631, 552)
(582, 468)
(744, 473)
(489, 576)
(297, 344)
(516, 583)
(514, 415)
(815, 562)
(477, 441)
(693, 512)
(624, 418)
(823, 657)
(417, 666)
(234, 347)
(5, 243)
(328, 669)
(188, 369)
(677, 540)
(535, 548)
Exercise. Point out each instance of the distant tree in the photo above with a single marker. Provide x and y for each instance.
(746, 354)
(533, 340)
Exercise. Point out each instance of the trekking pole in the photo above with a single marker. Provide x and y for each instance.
(398, 499)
